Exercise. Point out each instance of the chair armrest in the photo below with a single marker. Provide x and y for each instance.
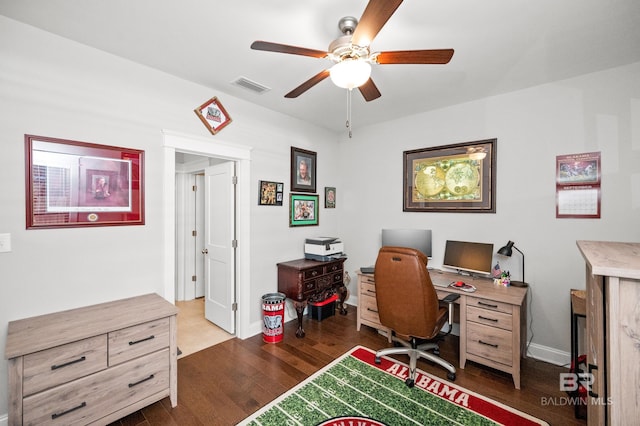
(451, 298)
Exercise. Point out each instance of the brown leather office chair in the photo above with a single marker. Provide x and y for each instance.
(408, 304)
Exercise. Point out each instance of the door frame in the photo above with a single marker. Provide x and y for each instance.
(174, 141)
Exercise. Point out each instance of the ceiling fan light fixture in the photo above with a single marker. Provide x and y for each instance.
(350, 73)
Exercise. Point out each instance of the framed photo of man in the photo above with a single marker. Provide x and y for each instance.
(303, 170)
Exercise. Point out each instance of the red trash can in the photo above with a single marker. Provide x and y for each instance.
(273, 317)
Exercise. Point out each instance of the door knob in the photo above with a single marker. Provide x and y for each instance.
(205, 251)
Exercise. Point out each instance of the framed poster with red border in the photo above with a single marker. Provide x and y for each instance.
(578, 185)
(74, 184)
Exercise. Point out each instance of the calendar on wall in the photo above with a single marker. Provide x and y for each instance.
(578, 178)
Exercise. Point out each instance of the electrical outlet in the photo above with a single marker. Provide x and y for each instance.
(5, 243)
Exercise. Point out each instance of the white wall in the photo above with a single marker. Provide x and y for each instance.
(596, 112)
(52, 87)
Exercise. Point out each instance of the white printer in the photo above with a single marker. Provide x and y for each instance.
(323, 248)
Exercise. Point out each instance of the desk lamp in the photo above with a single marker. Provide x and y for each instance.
(506, 251)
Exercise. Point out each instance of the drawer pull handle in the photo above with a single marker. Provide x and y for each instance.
(487, 319)
(66, 364)
(56, 415)
(371, 291)
(488, 305)
(488, 344)
(135, 342)
(314, 273)
(141, 381)
(372, 310)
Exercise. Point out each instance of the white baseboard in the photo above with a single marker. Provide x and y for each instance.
(550, 355)
(4, 420)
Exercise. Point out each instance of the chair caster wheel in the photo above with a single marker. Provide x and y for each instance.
(409, 383)
(377, 360)
(451, 376)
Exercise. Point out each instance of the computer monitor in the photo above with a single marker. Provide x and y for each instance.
(468, 257)
(419, 239)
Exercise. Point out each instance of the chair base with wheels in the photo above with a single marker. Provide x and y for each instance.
(415, 351)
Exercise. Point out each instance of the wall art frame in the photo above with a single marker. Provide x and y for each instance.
(303, 170)
(270, 193)
(80, 184)
(456, 178)
(303, 209)
(329, 197)
(213, 115)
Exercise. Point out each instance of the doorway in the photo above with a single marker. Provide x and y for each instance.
(174, 142)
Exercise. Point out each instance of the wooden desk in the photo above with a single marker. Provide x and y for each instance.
(613, 331)
(492, 320)
(305, 281)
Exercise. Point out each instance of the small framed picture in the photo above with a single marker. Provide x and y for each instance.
(303, 209)
(303, 170)
(329, 197)
(213, 115)
(270, 193)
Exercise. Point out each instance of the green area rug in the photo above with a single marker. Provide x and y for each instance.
(354, 391)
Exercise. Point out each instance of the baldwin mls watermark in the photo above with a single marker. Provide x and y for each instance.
(571, 383)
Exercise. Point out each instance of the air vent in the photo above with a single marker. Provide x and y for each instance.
(250, 85)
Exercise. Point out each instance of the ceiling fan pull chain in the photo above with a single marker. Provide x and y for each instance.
(349, 111)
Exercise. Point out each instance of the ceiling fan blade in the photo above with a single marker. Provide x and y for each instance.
(437, 56)
(308, 84)
(369, 91)
(375, 15)
(284, 48)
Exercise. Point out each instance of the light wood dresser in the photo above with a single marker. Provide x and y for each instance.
(92, 365)
(492, 319)
(613, 331)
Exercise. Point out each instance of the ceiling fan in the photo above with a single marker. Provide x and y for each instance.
(352, 55)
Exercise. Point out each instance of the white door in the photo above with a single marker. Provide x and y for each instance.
(199, 238)
(219, 231)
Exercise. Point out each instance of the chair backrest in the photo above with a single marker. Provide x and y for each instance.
(407, 300)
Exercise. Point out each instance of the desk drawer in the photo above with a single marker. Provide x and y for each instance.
(489, 304)
(368, 289)
(52, 367)
(491, 343)
(90, 398)
(369, 309)
(333, 267)
(138, 340)
(490, 318)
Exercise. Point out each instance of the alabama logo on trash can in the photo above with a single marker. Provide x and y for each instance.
(273, 317)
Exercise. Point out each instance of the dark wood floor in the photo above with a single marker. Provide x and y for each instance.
(223, 384)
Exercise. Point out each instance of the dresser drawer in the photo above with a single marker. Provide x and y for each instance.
(491, 343)
(61, 364)
(369, 309)
(490, 318)
(313, 272)
(309, 287)
(138, 340)
(337, 277)
(489, 304)
(90, 398)
(333, 267)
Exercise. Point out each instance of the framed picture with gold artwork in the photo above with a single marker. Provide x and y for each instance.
(457, 178)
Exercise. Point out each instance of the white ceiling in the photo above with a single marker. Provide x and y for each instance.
(500, 46)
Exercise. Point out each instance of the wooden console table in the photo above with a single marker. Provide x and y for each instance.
(92, 365)
(492, 319)
(305, 281)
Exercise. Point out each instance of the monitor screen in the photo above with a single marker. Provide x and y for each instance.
(470, 257)
(419, 239)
